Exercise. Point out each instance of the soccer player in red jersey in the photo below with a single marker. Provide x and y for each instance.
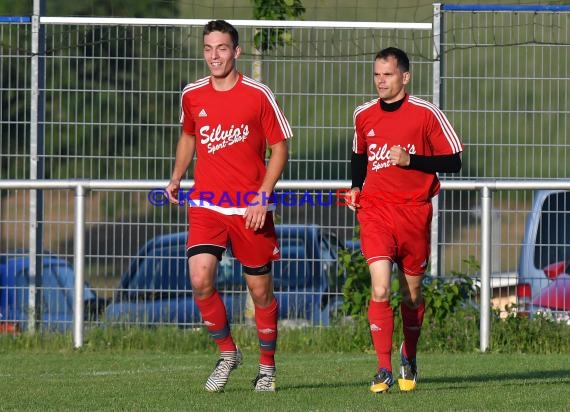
(400, 143)
(228, 121)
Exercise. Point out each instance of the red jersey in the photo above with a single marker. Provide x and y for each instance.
(417, 126)
(232, 129)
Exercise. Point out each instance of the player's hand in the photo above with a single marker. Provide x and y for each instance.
(399, 157)
(172, 191)
(256, 212)
(353, 199)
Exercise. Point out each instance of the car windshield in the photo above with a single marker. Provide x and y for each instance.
(553, 235)
(165, 271)
(292, 271)
(55, 293)
(57, 289)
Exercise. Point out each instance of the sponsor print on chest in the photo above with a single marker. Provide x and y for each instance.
(216, 137)
(380, 155)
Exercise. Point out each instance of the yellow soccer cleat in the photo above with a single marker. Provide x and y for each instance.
(408, 372)
(407, 385)
(382, 382)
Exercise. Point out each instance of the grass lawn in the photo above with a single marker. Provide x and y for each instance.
(306, 382)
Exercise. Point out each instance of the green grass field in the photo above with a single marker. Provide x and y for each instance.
(306, 382)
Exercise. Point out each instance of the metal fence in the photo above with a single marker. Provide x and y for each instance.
(504, 73)
(143, 302)
(86, 98)
(104, 105)
(108, 108)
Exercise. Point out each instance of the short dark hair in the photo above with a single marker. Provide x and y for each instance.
(398, 54)
(224, 27)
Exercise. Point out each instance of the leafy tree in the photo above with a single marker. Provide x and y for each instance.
(270, 38)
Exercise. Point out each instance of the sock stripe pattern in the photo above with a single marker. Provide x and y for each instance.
(267, 370)
(215, 318)
(267, 344)
(412, 320)
(266, 322)
(381, 318)
(220, 333)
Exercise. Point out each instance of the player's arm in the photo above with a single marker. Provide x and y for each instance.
(184, 154)
(436, 164)
(450, 163)
(275, 166)
(358, 167)
(255, 213)
(358, 163)
(442, 139)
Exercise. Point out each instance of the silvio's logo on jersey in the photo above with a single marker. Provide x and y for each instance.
(217, 138)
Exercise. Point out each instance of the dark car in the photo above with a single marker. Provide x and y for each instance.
(55, 294)
(156, 287)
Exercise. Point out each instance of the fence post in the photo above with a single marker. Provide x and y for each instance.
(436, 83)
(485, 297)
(79, 265)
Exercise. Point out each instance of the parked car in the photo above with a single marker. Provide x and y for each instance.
(553, 301)
(156, 288)
(55, 294)
(545, 251)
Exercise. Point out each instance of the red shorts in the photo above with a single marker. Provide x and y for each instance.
(397, 232)
(252, 248)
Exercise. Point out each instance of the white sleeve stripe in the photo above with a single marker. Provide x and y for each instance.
(191, 86)
(198, 83)
(357, 111)
(448, 131)
(283, 123)
(363, 107)
(181, 110)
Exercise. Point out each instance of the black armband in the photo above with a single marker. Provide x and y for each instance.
(434, 164)
(358, 166)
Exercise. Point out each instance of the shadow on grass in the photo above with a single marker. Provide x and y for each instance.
(509, 378)
(505, 379)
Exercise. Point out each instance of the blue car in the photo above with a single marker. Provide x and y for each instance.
(156, 287)
(54, 294)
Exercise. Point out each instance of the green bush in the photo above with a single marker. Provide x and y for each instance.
(451, 320)
(442, 296)
(451, 324)
(458, 333)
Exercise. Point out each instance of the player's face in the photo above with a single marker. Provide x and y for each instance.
(389, 80)
(220, 54)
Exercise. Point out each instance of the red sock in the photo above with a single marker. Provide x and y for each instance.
(412, 320)
(266, 322)
(381, 318)
(215, 318)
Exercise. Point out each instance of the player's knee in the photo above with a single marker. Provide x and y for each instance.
(380, 293)
(202, 283)
(202, 292)
(262, 297)
(412, 300)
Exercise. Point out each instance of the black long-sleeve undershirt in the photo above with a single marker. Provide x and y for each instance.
(436, 164)
(429, 164)
(358, 166)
